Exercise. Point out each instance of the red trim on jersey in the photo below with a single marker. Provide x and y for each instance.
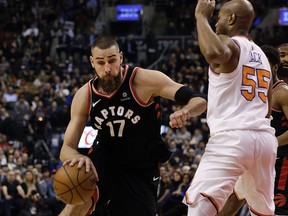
(113, 93)
(89, 97)
(283, 175)
(211, 199)
(257, 213)
(94, 199)
(278, 83)
(90, 150)
(142, 103)
(275, 85)
(276, 109)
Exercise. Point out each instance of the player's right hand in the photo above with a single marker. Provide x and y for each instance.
(179, 118)
(205, 8)
(83, 160)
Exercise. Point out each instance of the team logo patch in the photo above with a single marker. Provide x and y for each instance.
(124, 96)
(279, 200)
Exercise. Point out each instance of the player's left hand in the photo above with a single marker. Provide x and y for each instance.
(205, 8)
(179, 118)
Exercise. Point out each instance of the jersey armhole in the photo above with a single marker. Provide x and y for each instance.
(133, 91)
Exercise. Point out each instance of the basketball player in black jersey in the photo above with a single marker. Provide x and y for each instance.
(122, 103)
(283, 50)
(280, 123)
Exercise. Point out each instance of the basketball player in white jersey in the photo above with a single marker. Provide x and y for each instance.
(279, 122)
(242, 142)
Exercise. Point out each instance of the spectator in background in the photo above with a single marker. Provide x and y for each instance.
(31, 31)
(29, 183)
(176, 193)
(189, 157)
(176, 207)
(10, 162)
(20, 166)
(151, 47)
(163, 192)
(130, 51)
(10, 97)
(13, 195)
(35, 206)
(47, 192)
(3, 158)
(183, 134)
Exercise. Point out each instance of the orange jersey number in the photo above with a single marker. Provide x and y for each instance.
(260, 84)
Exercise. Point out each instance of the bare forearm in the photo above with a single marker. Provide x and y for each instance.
(21, 191)
(196, 106)
(67, 153)
(5, 191)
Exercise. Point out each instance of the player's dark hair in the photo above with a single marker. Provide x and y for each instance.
(272, 54)
(283, 45)
(104, 42)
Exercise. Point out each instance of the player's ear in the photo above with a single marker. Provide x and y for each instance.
(121, 57)
(91, 61)
(276, 67)
(232, 19)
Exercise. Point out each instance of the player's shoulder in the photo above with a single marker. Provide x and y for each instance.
(281, 93)
(82, 93)
(83, 88)
(147, 75)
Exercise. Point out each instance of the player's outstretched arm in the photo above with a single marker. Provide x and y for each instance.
(151, 83)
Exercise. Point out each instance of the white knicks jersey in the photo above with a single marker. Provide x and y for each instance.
(239, 100)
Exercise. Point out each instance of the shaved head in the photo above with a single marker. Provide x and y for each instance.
(243, 12)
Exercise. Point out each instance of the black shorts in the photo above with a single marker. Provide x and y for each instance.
(281, 184)
(123, 191)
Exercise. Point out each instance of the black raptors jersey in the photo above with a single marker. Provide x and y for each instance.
(280, 123)
(128, 129)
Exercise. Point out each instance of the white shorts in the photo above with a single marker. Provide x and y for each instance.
(229, 155)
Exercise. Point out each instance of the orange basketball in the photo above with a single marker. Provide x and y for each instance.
(73, 185)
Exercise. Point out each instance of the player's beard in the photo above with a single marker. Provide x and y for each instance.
(110, 83)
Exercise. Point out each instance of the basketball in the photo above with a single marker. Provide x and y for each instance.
(74, 186)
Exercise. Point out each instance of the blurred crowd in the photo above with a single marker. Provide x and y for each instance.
(44, 59)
